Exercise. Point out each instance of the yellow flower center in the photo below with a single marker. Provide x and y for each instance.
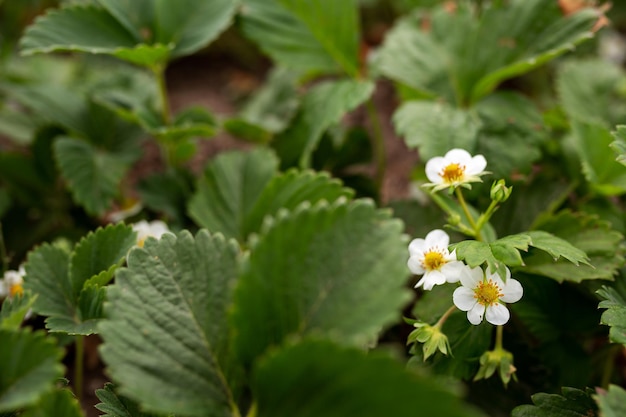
(16, 289)
(487, 293)
(141, 242)
(453, 172)
(433, 260)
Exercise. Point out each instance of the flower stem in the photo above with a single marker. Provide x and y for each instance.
(252, 410)
(498, 346)
(484, 218)
(79, 361)
(445, 316)
(378, 144)
(159, 73)
(463, 203)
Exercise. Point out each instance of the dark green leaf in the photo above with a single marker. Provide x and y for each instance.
(93, 175)
(615, 315)
(115, 405)
(60, 402)
(309, 378)
(573, 403)
(308, 268)
(229, 189)
(296, 34)
(30, 365)
(167, 343)
(619, 145)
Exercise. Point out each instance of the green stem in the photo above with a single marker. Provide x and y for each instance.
(609, 365)
(459, 196)
(159, 73)
(484, 218)
(498, 346)
(378, 144)
(79, 361)
(252, 410)
(445, 316)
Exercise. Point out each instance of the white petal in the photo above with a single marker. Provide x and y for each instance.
(463, 299)
(476, 165)
(433, 278)
(420, 282)
(475, 315)
(437, 238)
(417, 246)
(470, 277)
(512, 291)
(460, 156)
(415, 265)
(497, 314)
(434, 166)
(453, 271)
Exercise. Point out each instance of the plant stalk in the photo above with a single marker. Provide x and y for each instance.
(79, 367)
(499, 330)
(378, 144)
(159, 73)
(445, 316)
(463, 203)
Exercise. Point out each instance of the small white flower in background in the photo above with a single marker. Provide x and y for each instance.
(457, 167)
(12, 283)
(430, 257)
(484, 294)
(155, 229)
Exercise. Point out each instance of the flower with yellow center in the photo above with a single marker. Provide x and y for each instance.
(430, 257)
(12, 283)
(456, 168)
(484, 294)
(154, 229)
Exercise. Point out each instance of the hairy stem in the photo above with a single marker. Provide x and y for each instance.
(499, 330)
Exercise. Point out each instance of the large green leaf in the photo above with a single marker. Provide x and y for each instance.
(93, 174)
(167, 342)
(615, 315)
(30, 365)
(319, 378)
(619, 145)
(613, 402)
(60, 402)
(587, 233)
(323, 106)
(435, 128)
(144, 32)
(115, 405)
(523, 34)
(229, 188)
(573, 403)
(308, 269)
(70, 288)
(312, 36)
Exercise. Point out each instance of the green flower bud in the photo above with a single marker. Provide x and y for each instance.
(500, 192)
(500, 360)
(432, 337)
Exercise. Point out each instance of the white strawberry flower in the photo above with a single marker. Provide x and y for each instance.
(12, 283)
(144, 230)
(484, 294)
(456, 168)
(430, 257)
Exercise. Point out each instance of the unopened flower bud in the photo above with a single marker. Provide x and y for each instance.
(500, 192)
(432, 337)
(500, 360)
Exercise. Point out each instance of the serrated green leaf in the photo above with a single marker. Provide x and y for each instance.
(14, 309)
(589, 235)
(168, 312)
(512, 133)
(613, 402)
(168, 193)
(306, 379)
(615, 315)
(60, 402)
(573, 403)
(296, 33)
(619, 145)
(93, 175)
(592, 144)
(330, 256)
(142, 32)
(557, 247)
(30, 365)
(287, 191)
(435, 128)
(322, 107)
(96, 256)
(115, 405)
(229, 188)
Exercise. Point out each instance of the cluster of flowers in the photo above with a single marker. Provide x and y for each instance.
(482, 293)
